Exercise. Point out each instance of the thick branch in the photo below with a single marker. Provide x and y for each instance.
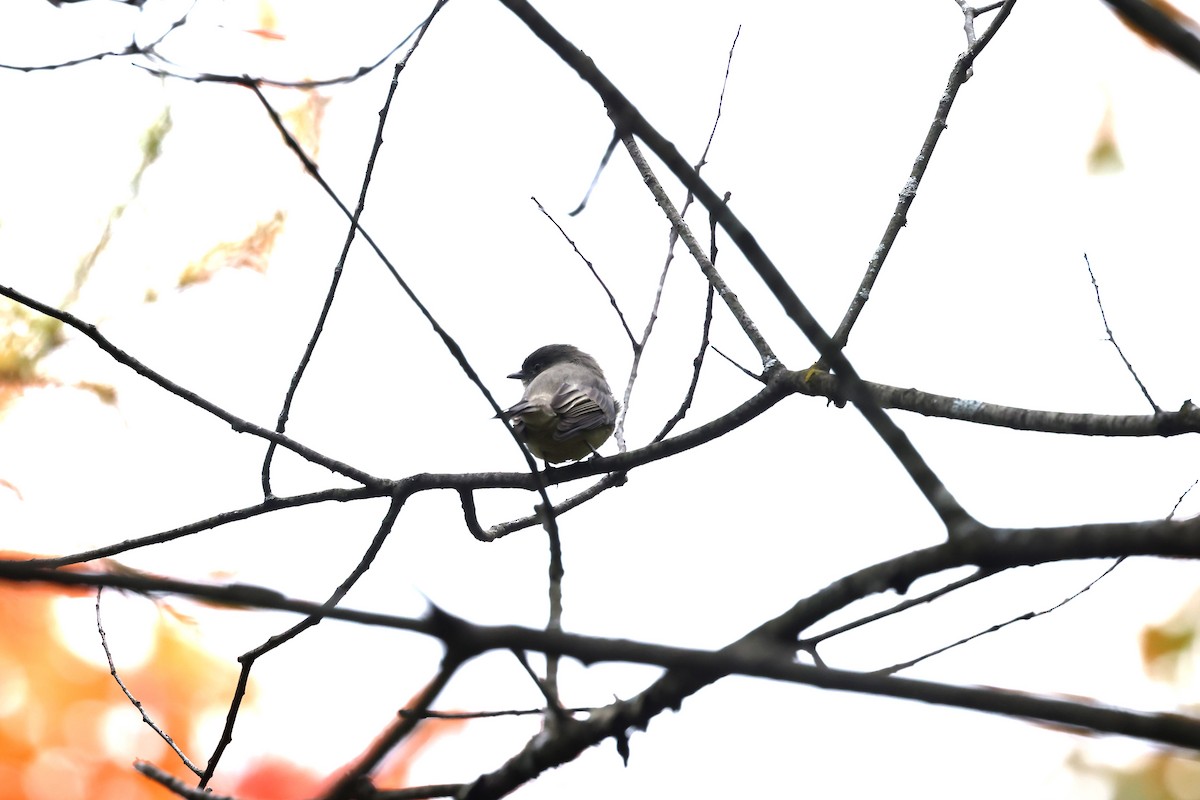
(766, 651)
(1165, 29)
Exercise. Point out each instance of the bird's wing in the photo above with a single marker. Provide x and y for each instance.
(581, 408)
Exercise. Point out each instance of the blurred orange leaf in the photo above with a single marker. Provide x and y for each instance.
(65, 727)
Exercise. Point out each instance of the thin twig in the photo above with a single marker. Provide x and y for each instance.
(1108, 332)
(131, 49)
(356, 774)
(609, 481)
(1028, 615)
(899, 218)
(673, 237)
(112, 670)
(604, 159)
(512, 712)
(769, 360)
(312, 83)
(1182, 497)
(209, 523)
(810, 643)
(698, 361)
(554, 707)
(335, 279)
(611, 299)
(419, 792)
(447, 340)
(237, 423)
(720, 100)
(248, 659)
(736, 365)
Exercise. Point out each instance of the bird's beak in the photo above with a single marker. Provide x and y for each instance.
(518, 376)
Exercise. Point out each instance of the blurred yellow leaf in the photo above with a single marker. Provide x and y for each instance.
(1105, 156)
(304, 122)
(1162, 646)
(250, 253)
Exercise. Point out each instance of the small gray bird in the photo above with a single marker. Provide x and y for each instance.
(567, 410)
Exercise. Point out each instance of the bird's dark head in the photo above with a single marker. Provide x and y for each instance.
(549, 355)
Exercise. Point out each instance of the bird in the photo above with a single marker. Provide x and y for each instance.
(567, 410)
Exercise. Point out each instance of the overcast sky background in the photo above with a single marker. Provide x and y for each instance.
(985, 296)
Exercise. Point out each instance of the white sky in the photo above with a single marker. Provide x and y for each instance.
(985, 296)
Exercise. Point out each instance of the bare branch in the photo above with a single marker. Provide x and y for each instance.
(810, 643)
(173, 784)
(698, 361)
(209, 523)
(112, 670)
(237, 423)
(611, 480)
(748, 327)
(248, 659)
(1028, 615)
(131, 49)
(1186, 492)
(611, 299)
(512, 712)
(554, 709)
(447, 341)
(958, 76)
(419, 792)
(346, 786)
(1165, 29)
(676, 232)
(1108, 332)
(1167, 423)
(556, 572)
(335, 279)
(367, 69)
(628, 122)
(767, 650)
(604, 159)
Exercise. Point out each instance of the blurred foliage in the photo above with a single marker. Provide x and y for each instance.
(60, 716)
(67, 730)
(1169, 652)
(253, 252)
(1104, 157)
